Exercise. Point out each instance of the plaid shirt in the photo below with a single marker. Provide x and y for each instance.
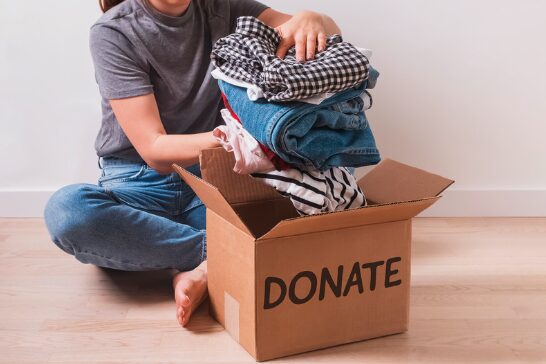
(249, 55)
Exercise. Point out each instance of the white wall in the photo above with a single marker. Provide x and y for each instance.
(49, 106)
(461, 93)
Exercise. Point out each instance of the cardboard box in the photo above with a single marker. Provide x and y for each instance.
(282, 284)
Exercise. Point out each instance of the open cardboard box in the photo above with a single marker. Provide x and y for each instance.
(282, 284)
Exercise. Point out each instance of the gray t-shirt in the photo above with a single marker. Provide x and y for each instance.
(137, 50)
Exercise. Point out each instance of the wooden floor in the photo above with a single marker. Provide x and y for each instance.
(478, 295)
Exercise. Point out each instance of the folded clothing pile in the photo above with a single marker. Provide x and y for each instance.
(296, 126)
(311, 191)
(249, 55)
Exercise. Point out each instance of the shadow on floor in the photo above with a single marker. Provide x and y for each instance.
(140, 287)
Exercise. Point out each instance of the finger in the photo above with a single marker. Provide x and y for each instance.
(300, 48)
(311, 46)
(179, 314)
(185, 319)
(283, 47)
(321, 42)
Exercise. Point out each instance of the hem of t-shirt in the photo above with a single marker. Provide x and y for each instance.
(130, 155)
(145, 90)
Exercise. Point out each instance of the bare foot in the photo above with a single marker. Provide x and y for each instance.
(190, 289)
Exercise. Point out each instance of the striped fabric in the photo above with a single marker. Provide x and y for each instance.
(313, 192)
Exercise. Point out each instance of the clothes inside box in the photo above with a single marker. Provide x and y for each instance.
(301, 132)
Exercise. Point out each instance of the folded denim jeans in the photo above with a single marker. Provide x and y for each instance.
(335, 133)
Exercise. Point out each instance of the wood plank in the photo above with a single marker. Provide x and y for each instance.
(478, 295)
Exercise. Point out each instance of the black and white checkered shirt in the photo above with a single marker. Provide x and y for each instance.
(249, 55)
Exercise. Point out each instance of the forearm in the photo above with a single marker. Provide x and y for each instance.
(140, 120)
(181, 149)
(275, 19)
(330, 25)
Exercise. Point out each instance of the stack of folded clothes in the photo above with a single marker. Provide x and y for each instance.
(296, 126)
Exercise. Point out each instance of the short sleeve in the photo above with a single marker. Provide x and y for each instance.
(244, 8)
(119, 70)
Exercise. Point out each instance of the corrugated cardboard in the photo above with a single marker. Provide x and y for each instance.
(282, 284)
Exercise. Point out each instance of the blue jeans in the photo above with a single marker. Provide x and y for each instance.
(332, 134)
(135, 219)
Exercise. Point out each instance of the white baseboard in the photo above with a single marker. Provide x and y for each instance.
(25, 203)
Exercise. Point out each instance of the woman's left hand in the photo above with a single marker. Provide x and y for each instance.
(306, 30)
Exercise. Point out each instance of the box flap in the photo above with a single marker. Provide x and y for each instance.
(262, 216)
(392, 181)
(217, 169)
(212, 198)
(372, 214)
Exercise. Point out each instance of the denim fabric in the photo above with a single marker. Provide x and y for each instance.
(332, 134)
(134, 219)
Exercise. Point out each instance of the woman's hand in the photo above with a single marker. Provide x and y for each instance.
(306, 30)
